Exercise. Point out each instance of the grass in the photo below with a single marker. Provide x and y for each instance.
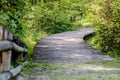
(28, 69)
(93, 40)
(66, 72)
(84, 78)
(42, 66)
(101, 75)
(73, 78)
(47, 66)
(112, 64)
(88, 78)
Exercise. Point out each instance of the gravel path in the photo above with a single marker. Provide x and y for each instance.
(67, 47)
(68, 53)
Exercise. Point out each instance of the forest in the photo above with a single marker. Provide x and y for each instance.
(31, 20)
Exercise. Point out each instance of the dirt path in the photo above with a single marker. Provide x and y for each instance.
(68, 53)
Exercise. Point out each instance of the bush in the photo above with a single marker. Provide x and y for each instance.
(58, 16)
(109, 29)
(11, 15)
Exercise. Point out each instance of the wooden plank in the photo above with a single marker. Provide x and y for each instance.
(5, 55)
(10, 36)
(5, 61)
(1, 62)
(13, 72)
(1, 34)
(1, 67)
(8, 45)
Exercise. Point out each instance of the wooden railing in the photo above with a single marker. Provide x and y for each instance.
(10, 46)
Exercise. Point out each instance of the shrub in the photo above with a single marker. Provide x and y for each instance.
(11, 15)
(109, 29)
(58, 16)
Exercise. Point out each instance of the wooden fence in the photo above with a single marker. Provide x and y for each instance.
(8, 48)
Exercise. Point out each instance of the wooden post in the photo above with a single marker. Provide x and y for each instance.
(1, 34)
(6, 55)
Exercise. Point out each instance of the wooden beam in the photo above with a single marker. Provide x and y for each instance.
(12, 73)
(1, 34)
(7, 45)
(0, 67)
(6, 60)
(6, 55)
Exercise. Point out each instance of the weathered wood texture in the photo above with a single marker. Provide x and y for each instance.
(12, 73)
(5, 55)
(9, 45)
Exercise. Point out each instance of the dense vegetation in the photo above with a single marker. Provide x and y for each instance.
(107, 37)
(110, 28)
(33, 19)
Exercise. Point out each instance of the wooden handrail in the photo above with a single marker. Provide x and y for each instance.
(10, 46)
(7, 45)
(12, 73)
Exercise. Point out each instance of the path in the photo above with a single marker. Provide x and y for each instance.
(67, 47)
(66, 55)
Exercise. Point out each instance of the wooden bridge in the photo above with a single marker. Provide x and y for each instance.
(11, 50)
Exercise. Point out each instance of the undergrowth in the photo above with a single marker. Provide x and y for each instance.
(93, 41)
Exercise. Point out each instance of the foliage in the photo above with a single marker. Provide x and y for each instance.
(108, 30)
(41, 66)
(11, 14)
(31, 20)
(28, 69)
(57, 16)
(44, 17)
